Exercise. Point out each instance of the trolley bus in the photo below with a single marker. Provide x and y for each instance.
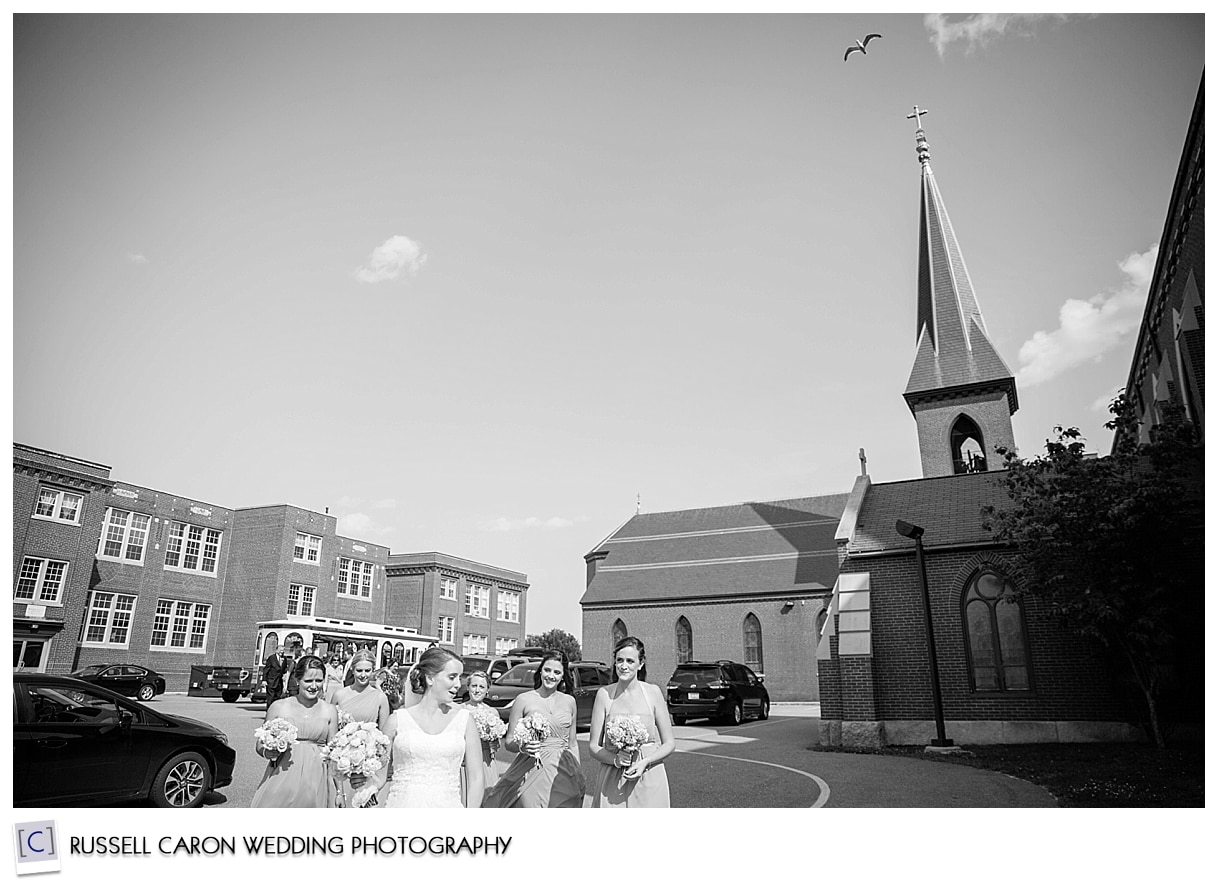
(320, 636)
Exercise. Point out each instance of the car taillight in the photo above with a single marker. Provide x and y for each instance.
(715, 684)
(672, 685)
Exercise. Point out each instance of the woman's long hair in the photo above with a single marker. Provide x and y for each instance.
(307, 663)
(564, 685)
(637, 644)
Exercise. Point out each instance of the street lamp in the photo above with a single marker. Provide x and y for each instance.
(914, 532)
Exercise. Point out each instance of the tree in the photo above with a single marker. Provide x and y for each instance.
(1108, 543)
(556, 638)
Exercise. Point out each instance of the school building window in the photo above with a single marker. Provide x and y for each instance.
(355, 578)
(191, 547)
(108, 619)
(505, 645)
(448, 589)
(300, 599)
(478, 602)
(473, 644)
(445, 629)
(507, 606)
(307, 549)
(40, 580)
(124, 536)
(180, 625)
(58, 505)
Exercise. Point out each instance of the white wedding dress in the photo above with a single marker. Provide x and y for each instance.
(427, 768)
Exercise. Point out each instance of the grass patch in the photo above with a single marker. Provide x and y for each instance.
(1085, 775)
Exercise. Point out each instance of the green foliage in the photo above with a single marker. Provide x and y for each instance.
(556, 638)
(1101, 540)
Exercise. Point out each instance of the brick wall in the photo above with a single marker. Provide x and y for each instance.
(991, 413)
(788, 638)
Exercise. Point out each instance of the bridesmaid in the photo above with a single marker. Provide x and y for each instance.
(364, 703)
(478, 686)
(545, 775)
(297, 778)
(334, 676)
(644, 782)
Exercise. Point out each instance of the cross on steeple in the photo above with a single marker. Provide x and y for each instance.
(916, 116)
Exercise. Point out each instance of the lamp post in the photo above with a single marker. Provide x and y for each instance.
(914, 532)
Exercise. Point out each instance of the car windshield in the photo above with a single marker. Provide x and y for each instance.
(476, 664)
(694, 676)
(521, 675)
(89, 669)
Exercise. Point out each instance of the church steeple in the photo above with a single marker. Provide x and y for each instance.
(960, 391)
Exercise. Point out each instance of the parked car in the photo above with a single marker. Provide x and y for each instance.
(723, 689)
(586, 678)
(76, 743)
(124, 679)
(494, 666)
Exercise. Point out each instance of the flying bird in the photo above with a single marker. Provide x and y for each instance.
(860, 47)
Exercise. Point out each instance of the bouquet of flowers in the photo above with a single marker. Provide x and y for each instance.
(277, 735)
(388, 681)
(626, 734)
(532, 729)
(358, 749)
(490, 727)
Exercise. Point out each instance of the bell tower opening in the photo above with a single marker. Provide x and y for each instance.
(968, 447)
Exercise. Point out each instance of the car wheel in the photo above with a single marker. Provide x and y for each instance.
(230, 696)
(182, 782)
(765, 709)
(146, 692)
(735, 716)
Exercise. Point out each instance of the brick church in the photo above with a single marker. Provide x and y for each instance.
(823, 594)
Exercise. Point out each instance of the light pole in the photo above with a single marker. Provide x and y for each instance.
(914, 532)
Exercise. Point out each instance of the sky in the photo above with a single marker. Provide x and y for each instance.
(485, 285)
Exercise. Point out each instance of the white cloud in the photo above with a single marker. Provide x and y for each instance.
(396, 256)
(136, 258)
(980, 29)
(503, 525)
(1089, 328)
(357, 525)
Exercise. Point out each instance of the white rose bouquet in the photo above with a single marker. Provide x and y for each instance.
(276, 736)
(358, 749)
(626, 734)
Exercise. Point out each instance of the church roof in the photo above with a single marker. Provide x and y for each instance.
(756, 548)
(947, 508)
(954, 349)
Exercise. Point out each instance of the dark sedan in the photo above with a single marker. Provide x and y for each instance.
(124, 679)
(78, 744)
(586, 677)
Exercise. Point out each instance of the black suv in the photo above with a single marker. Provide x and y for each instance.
(723, 689)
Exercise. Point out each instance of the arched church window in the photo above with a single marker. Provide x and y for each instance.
(753, 656)
(968, 447)
(618, 634)
(995, 635)
(685, 641)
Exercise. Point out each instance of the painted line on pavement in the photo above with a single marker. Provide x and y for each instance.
(820, 782)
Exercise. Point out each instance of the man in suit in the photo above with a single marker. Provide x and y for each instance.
(276, 671)
(291, 685)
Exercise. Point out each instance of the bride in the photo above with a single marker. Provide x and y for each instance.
(432, 737)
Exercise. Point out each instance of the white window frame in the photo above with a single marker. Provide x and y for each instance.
(473, 644)
(183, 540)
(36, 579)
(185, 617)
(355, 578)
(448, 588)
(478, 601)
(301, 599)
(110, 611)
(307, 549)
(58, 497)
(505, 645)
(127, 530)
(507, 605)
(447, 625)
